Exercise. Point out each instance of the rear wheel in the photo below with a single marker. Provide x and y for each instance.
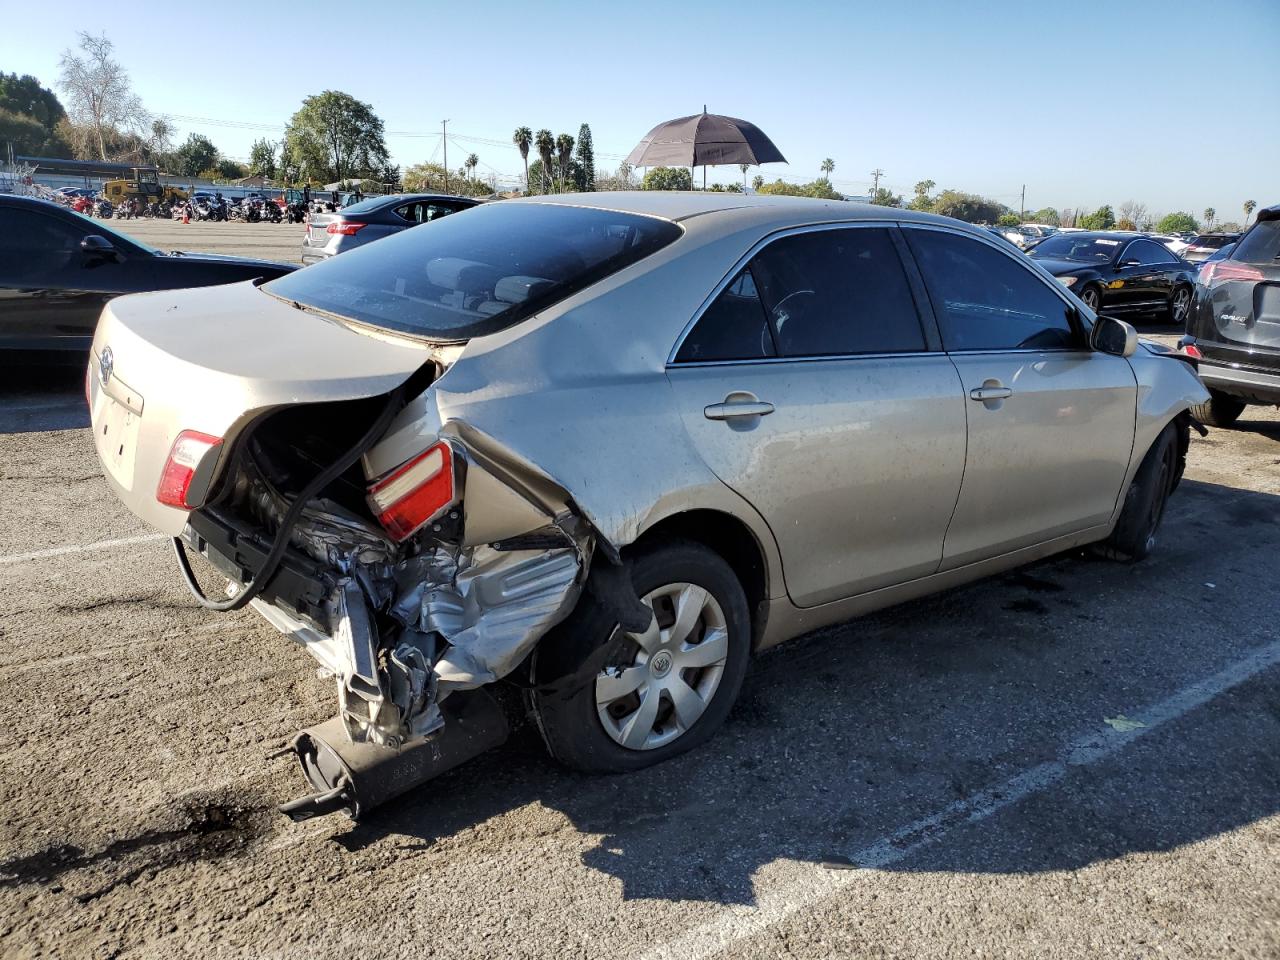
(1092, 297)
(1220, 410)
(1134, 537)
(660, 692)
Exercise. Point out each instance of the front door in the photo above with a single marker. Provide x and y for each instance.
(1050, 422)
(809, 388)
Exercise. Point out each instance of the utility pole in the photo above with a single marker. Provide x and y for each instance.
(444, 138)
(876, 174)
(1022, 205)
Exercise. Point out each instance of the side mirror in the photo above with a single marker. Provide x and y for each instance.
(97, 247)
(1114, 337)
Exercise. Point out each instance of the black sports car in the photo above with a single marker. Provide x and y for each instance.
(57, 269)
(1118, 273)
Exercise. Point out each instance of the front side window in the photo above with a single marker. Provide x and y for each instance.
(33, 245)
(986, 300)
(475, 275)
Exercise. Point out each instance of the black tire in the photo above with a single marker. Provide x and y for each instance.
(569, 721)
(1134, 536)
(1180, 305)
(1092, 292)
(1220, 410)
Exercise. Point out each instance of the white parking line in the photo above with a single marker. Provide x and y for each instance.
(800, 886)
(80, 548)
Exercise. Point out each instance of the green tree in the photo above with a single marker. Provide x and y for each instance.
(262, 158)
(1209, 214)
(1101, 219)
(757, 182)
(818, 188)
(1124, 223)
(29, 116)
(429, 178)
(586, 157)
(744, 167)
(667, 178)
(564, 156)
(884, 197)
(922, 200)
(523, 139)
(1007, 220)
(828, 165)
(1179, 222)
(546, 146)
(1045, 215)
(99, 96)
(968, 207)
(231, 169)
(1249, 207)
(470, 165)
(334, 136)
(195, 156)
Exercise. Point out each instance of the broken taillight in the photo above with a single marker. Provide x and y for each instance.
(346, 228)
(414, 493)
(186, 455)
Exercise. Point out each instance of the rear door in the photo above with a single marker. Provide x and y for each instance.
(1050, 422)
(810, 387)
(1148, 278)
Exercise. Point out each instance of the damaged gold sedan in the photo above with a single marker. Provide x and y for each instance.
(575, 458)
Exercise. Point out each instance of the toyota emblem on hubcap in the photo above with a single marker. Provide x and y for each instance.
(661, 664)
(106, 362)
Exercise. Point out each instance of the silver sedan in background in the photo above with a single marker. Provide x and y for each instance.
(603, 447)
(329, 234)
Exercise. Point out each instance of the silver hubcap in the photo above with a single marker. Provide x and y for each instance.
(664, 681)
(1181, 300)
(1091, 299)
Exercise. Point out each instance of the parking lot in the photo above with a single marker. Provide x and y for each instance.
(1076, 758)
(269, 241)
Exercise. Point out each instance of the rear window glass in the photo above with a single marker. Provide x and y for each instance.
(474, 275)
(1260, 245)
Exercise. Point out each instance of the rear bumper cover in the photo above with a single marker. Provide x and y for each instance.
(1258, 386)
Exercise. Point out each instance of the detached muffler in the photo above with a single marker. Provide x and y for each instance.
(356, 777)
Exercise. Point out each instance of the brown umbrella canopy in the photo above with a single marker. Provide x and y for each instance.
(704, 140)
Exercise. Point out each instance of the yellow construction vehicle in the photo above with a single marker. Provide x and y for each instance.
(145, 185)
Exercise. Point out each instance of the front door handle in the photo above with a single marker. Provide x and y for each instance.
(985, 394)
(738, 405)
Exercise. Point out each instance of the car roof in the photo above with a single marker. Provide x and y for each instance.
(31, 203)
(679, 205)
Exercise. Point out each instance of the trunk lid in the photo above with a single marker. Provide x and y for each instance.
(317, 227)
(212, 360)
(1240, 295)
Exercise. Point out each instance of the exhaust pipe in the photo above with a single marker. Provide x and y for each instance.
(356, 777)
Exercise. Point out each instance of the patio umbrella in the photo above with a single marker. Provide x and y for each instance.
(705, 140)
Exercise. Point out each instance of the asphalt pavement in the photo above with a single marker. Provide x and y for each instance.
(1078, 759)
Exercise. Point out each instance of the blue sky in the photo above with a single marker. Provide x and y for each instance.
(1175, 104)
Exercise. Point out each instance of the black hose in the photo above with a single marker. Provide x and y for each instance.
(281, 542)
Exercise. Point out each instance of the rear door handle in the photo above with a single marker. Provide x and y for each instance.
(738, 405)
(990, 393)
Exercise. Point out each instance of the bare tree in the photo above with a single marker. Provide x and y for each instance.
(98, 93)
(1134, 212)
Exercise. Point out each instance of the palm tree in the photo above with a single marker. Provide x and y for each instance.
(1249, 207)
(1209, 214)
(470, 164)
(827, 166)
(522, 138)
(744, 167)
(546, 145)
(564, 149)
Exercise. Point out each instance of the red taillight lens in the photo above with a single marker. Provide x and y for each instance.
(1220, 270)
(345, 227)
(414, 493)
(185, 457)
(1191, 350)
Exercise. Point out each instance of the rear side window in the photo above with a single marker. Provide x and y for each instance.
(422, 211)
(985, 299)
(1149, 253)
(732, 328)
(838, 293)
(1260, 245)
(474, 275)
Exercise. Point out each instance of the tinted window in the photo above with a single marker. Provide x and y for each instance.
(32, 244)
(732, 328)
(1149, 253)
(837, 292)
(1261, 244)
(473, 275)
(421, 211)
(985, 299)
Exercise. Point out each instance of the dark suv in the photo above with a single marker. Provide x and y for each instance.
(1234, 324)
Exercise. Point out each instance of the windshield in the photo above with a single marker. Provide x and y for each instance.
(1074, 247)
(478, 272)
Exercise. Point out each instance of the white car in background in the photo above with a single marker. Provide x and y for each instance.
(1175, 245)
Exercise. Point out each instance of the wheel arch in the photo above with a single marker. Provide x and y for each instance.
(732, 539)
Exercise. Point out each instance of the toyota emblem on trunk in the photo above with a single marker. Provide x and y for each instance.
(105, 364)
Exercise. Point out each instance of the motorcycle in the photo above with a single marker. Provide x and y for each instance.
(103, 209)
(203, 210)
